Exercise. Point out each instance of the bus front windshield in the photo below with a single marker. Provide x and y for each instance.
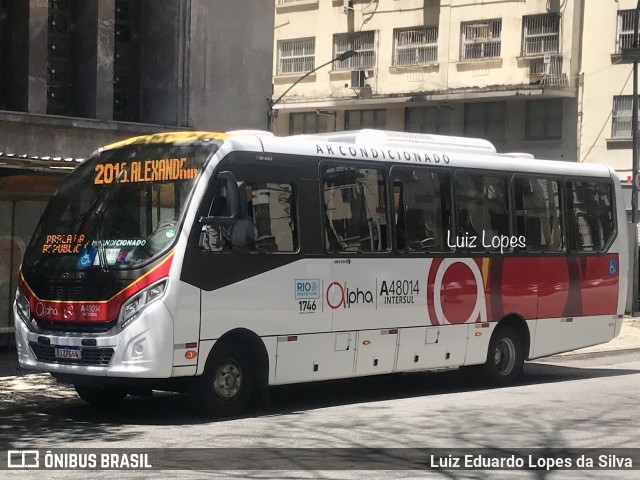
(119, 209)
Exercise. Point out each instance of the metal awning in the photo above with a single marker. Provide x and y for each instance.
(36, 163)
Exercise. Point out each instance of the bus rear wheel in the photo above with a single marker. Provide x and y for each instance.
(227, 382)
(101, 397)
(505, 357)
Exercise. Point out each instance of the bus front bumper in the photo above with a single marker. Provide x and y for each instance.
(143, 349)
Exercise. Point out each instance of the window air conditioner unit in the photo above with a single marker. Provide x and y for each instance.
(357, 78)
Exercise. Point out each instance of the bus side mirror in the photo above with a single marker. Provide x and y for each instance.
(236, 208)
(236, 200)
(236, 195)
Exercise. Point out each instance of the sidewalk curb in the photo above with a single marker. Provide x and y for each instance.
(579, 356)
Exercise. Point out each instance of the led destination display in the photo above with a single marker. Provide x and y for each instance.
(65, 243)
(167, 169)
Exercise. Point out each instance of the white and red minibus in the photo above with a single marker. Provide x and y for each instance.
(227, 263)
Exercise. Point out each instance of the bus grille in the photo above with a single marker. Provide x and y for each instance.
(79, 292)
(97, 327)
(90, 356)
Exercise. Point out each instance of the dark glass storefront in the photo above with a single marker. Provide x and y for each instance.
(24, 193)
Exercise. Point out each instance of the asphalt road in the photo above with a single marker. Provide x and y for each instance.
(572, 402)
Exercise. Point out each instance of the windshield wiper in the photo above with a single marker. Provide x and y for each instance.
(100, 201)
(102, 254)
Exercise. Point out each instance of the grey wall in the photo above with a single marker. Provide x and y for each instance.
(46, 135)
(159, 67)
(204, 64)
(230, 62)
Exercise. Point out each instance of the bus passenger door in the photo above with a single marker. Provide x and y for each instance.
(255, 275)
(355, 214)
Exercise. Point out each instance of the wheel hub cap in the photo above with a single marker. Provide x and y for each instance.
(227, 380)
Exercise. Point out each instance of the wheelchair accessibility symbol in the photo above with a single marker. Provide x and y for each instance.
(613, 268)
(87, 256)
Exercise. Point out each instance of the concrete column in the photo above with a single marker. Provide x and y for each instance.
(37, 53)
(184, 49)
(105, 59)
(83, 69)
(159, 62)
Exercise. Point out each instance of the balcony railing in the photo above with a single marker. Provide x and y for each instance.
(286, 3)
(551, 71)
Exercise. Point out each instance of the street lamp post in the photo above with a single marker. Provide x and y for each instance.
(634, 122)
(339, 58)
(632, 55)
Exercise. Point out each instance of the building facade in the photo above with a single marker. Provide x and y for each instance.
(507, 71)
(605, 123)
(78, 74)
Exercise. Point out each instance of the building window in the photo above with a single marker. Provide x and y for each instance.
(363, 43)
(414, 46)
(624, 36)
(485, 120)
(481, 40)
(543, 119)
(541, 34)
(357, 119)
(427, 120)
(308, 122)
(296, 56)
(621, 116)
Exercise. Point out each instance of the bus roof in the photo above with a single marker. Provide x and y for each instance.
(419, 149)
(168, 137)
(382, 146)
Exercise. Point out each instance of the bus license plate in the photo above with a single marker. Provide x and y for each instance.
(68, 353)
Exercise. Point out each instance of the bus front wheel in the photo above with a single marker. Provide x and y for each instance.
(505, 357)
(226, 384)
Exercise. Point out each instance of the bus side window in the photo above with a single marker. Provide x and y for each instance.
(422, 210)
(272, 208)
(591, 216)
(355, 210)
(270, 225)
(538, 214)
(482, 204)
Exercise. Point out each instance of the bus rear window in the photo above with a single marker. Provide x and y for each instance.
(591, 222)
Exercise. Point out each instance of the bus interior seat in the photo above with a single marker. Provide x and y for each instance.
(499, 223)
(242, 235)
(417, 233)
(465, 225)
(533, 233)
(266, 243)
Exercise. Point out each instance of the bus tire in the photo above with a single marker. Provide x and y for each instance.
(226, 384)
(505, 357)
(101, 397)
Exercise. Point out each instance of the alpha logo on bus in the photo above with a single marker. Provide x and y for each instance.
(455, 292)
(341, 296)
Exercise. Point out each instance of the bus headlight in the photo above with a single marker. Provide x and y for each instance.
(132, 307)
(22, 304)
